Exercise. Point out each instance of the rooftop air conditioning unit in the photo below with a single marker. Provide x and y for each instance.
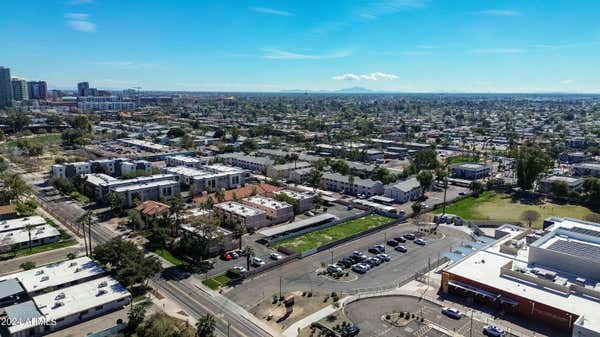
(58, 304)
(102, 292)
(45, 278)
(102, 284)
(60, 296)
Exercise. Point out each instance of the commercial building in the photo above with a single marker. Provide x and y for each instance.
(550, 278)
(304, 200)
(19, 89)
(403, 191)
(83, 89)
(471, 171)
(283, 171)
(300, 175)
(573, 184)
(5, 88)
(144, 145)
(16, 233)
(37, 89)
(587, 169)
(575, 157)
(342, 183)
(276, 211)
(210, 178)
(104, 103)
(256, 164)
(232, 213)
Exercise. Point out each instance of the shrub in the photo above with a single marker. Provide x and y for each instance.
(310, 294)
(27, 265)
(387, 317)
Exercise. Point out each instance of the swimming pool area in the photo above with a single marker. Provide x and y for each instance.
(468, 248)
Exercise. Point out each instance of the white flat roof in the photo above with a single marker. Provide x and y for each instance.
(57, 273)
(484, 267)
(239, 209)
(140, 186)
(267, 202)
(75, 299)
(13, 224)
(296, 195)
(22, 235)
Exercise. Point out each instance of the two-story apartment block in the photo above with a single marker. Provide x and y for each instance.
(232, 213)
(276, 211)
(354, 186)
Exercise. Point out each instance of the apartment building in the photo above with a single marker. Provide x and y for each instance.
(342, 183)
(185, 161)
(152, 187)
(573, 184)
(587, 169)
(115, 167)
(304, 200)
(252, 163)
(15, 233)
(210, 178)
(276, 211)
(403, 191)
(232, 213)
(471, 171)
(283, 171)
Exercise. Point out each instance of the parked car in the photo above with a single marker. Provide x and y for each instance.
(392, 243)
(349, 208)
(345, 262)
(384, 257)
(377, 249)
(494, 331)
(227, 257)
(373, 261)
(275, 256)
(240, 268)
(350, 331)
(257, 262)
(400, 239)
(334, 269)
(421, 242)
(358, 256)
(409, 236)
(401, 249)
(360, 268)
(309, 213)
(452, 312)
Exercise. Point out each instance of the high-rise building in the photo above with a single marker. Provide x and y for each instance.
(19, 89)
(83, 88)
(5, 87)
(37, 89)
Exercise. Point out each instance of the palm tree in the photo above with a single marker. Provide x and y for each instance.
(206, 325)
(136, 316)
(351, 183)
(28, 228)
(220, 193)
(249, 252)
(87, 219)
(239, 230)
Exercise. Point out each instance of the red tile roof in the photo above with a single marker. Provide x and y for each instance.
(152, 207)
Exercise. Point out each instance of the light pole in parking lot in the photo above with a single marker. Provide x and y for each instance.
(331, 250)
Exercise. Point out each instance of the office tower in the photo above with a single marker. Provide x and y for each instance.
(19, 89)
(83, 88)
(5, 87)
(37, 89)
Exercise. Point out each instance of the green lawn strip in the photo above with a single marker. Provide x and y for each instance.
(167, 255)
(320, 237)
(463, 160)
(79, 196)
(45, 248)
(465, 208)
(217, 281)
(48, 139)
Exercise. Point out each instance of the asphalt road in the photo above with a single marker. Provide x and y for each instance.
(300, 275)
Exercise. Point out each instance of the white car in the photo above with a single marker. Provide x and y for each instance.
(257, 262)
(334, 269)
(275, 256)
(421, 242)
(240, 268)
(452, 312)
(494, 331)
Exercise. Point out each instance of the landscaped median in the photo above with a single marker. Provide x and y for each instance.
(340, 231)
(216, 282)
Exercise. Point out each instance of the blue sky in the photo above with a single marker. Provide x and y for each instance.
(395, 45)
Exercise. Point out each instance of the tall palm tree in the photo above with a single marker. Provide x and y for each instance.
(249, 252)
(86, 219)
(28, 228)
(206, 325)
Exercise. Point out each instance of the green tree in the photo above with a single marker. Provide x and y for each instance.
(314, 177)
(559, 189)
(206, 325)
(530, 216)
(531, 161)
(177, 207)
(86, 220)
(425, 178)
(417, 207)
(425, 159)
(134, 219)
(14, 187)
(115, 202)
(175, 133)
(136, 316)
(249, 252)
(220, 194)
(476, 187)
(29, 228)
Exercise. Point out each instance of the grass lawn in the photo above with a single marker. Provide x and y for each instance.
(501, 207)
(166, 254)
(217, 281)
(320, 237)
(463, 159)
(47, 139)
(79, 196)
(45, 248)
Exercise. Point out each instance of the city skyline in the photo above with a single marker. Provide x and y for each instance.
(386, 46)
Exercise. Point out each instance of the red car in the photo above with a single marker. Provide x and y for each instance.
(227, 257)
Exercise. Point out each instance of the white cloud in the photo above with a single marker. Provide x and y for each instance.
(499, 12)
(384, 7)
(272, 11)
(498, 51)
(80, 22)
(370, 77)
(271, 53)
(566, 81)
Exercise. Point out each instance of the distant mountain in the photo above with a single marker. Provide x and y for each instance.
(355, 90)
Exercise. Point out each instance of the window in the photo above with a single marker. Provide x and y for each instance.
(99, 307)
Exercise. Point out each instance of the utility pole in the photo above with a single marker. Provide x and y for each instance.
(471, 328)
(331, 250)
(445, 188)
(228, 327)
(280, 286)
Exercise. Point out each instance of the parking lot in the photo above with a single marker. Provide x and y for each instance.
(367, 313)
(301, 275)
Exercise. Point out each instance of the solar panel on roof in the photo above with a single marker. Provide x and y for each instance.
(585, 231)
(588, 252)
